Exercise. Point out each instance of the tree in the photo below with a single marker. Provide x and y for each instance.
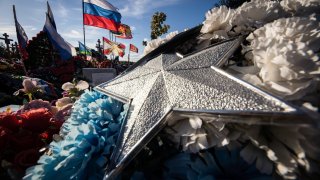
(231, 3)
(157, 25)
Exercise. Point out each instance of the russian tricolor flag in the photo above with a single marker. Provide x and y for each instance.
(21, 36)
(65, 49)
(101, 14)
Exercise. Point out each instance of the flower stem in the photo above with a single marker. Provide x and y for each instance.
(30, 96)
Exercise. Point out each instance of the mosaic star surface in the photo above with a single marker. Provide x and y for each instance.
(168, 86)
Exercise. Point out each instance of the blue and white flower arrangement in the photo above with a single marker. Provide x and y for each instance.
(86, 140)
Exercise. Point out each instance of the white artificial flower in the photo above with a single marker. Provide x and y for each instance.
(301, 7)
(251, 154)
(286, 148)
(255, 14)
(62, 102)
(194, 133)
(171, 35)
(81, 85)
(153, 44)
(29, 87)
(284, 50)
(67, 86)
(310, 107)
(217, 19)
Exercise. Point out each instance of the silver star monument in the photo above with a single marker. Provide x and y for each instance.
(169, 86)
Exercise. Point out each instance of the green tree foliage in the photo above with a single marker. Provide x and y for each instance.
(157, 25)
(231, 3)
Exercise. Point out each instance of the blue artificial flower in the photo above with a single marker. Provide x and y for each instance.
(89, 135)
(216, 163)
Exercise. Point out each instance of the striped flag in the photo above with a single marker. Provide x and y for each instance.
(133, 48)
(85, 50)
(21, 36)
(65, 49)
(110, 47)
(50, 15)
(101, 14)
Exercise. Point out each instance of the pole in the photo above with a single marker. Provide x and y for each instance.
(84, 31)
(102, 51)
(129, 57)
(15, 23)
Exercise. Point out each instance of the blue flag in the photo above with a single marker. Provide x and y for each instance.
(21, 36)
(65, 49)
(50, 15)
(85, 50)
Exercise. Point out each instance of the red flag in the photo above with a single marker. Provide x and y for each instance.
(133, 48)
(124, 31)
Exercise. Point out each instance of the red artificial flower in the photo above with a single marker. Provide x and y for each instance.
(9, 120)
(3, 139)
(24, 140)
(27, 158)
(44, 135)
(36, 120)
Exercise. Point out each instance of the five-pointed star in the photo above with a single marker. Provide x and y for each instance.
(168, 86)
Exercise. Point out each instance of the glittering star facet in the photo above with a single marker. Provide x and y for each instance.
(169, 86)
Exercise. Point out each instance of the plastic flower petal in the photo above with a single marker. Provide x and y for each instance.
(287, 57)
(218, 163)
(36, 119)
(67, 86)
(63, 102)
(36, 104)
(153, 44)
(217, 18)
(82, 85)
(301, 7)
(87, 140)
(29, 86)
(256, 13)
(194, 134)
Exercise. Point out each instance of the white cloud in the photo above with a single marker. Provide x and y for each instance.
(10, 30)
(133, 28)
(72, 34)
(30, 28)
(62, 10)
(135, 57)
(137, 8)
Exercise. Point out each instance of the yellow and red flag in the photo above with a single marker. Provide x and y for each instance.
(124, 31)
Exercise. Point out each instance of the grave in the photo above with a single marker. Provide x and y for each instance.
(96, 76)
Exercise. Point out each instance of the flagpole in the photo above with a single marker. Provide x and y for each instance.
(84, 31)
(15, 23)
(129, 57)
(103, 57)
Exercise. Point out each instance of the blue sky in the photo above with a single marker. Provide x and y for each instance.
(181, 14)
